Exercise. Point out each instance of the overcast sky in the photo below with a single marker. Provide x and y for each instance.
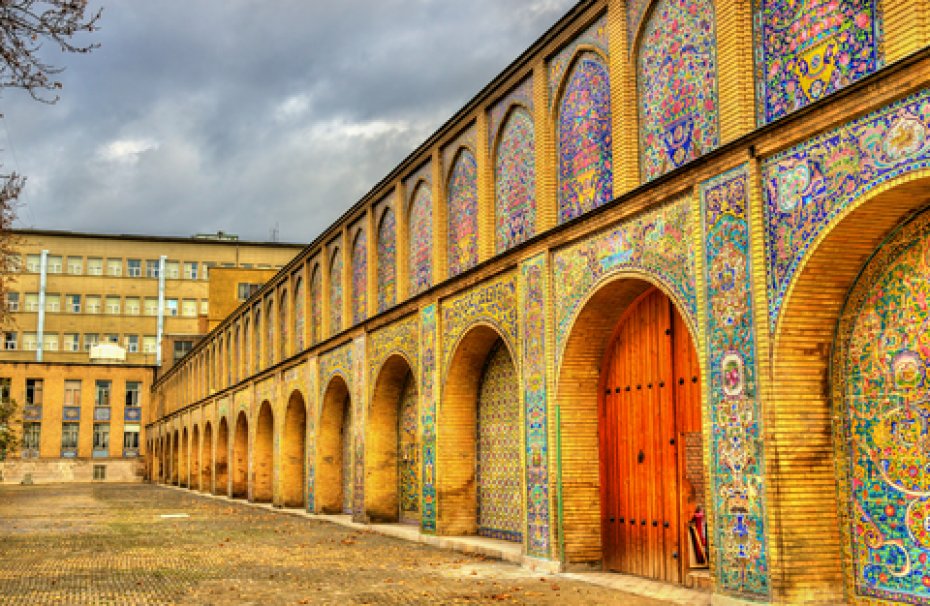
(247, 115)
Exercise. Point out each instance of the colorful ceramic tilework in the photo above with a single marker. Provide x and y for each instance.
(584, 139)
(420, 233)
(423, 173)
(428, 416)
(402, 338)
(493, 302)
(635, 11)
(515, 181)
(500, 503)
(808, 49)
(283, 322)
(882, 396)
(463, 213)
(467, 139)
(737, 466)
(300, 315)
(408, 453)
(593, 37)
(657, 244)
(360, 277)
(358, 416)
(336, 362)
(521, 95)
(677, 78)
(808, 187)
(533, 303)
(387, 260)
(312, 412)
(258, 338)
(269, 333)
(347, 455)
(316, 305)
(335, 291)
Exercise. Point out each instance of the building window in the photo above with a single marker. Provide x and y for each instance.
(102, 397)
(171, 307)
(33, 263)
(204, 307)
(53, 264)
(31, 434)
(72, 342)
(73, 303)
(94, 266)
(73, 392)
(113, 305)
(53, 302)
(114, 267)
(9, 341)
(131, 306)
(181, 348)
(246, 290)
(189, 308)
(100, 473)
(148, 344)
(69, 436)
(101, 439)
(151, 306)
(93, 304)
(32, 301)
(132, 343)
(206, 269)
(134, 268)
(190, 270)
(90, 339)
(75, 266)
(12, 301)
(130, 441)
(30, 342)
(132, 393)
(172, 270)
(151, 268)
(34, 392)
(6, 384)
(50, 342)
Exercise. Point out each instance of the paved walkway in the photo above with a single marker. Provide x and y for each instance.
(137, 544)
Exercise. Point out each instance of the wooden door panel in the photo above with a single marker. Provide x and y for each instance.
(648, 398)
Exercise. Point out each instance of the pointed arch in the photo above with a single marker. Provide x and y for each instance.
(420, 239)
(515, 179)
(336, 293)
(316, 305)
(387, 259)
(359, 294)
(462, 205)
(300, 318)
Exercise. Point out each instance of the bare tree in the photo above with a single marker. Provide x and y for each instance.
(25, 26)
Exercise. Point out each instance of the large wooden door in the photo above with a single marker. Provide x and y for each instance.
(650, 403)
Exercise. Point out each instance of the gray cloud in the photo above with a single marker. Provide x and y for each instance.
(241, 115)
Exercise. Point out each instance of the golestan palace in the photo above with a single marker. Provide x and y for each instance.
(654, 301)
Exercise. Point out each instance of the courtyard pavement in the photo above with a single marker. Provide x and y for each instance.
(75, 544)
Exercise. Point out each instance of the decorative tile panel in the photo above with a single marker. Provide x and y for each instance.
(808, 187)
(880, 391)
(594, 37)
(656, 244)
(493, 302)
(360, 277)
(584, 139)
(533, 287)
(335, 291)
(387, 260)
(521, 95)
(677, 80)
(498, 471)
(462, 203)
(808, 49)
(428, 397)
(420, 233)
(515, 181)
(737, 462)
(402, 338)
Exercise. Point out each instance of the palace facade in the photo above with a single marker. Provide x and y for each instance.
(654, 301)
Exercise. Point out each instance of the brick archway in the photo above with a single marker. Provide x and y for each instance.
(383, 459)
(240, 458)
(221, 466)
(206, 457)
(331, 479)
(293, 468)
(578, 397)
(195, 477)
(801, 449)
(263, 455)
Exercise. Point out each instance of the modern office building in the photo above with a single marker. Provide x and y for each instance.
(91, 319)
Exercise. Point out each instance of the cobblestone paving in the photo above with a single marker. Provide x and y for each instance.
(109, 544)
